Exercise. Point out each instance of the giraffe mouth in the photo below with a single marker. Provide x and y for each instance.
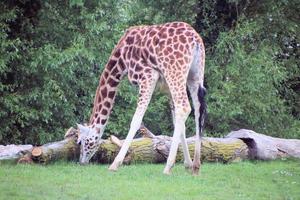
(83, 161)
(86, 157)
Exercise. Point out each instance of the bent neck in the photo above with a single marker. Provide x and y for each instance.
(106, 91)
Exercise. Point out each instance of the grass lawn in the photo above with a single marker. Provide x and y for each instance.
(245, 180)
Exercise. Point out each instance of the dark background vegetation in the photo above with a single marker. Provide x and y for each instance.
(52, 54)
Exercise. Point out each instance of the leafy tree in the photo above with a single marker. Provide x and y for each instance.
(52, 53)
(50, 65)
(252, 66)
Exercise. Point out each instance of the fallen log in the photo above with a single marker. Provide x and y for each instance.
(12, 153)
(151, 149)
(265, 147)
(239, 145)
(66, 149)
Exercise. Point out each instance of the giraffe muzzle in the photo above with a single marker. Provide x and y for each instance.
(83, 162)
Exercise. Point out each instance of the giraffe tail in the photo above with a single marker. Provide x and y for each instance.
(199, 132)
(202, 109)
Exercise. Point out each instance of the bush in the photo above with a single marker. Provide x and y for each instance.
(52, 54)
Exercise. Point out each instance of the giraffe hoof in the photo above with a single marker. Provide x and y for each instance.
(113, 168)
(167, 171)
(188, 168)
(195, 171)
(188, 165)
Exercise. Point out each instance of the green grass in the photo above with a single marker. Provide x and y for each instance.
(246, 180)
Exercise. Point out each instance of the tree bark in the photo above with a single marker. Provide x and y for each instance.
(12, 153)
(150, 149)
(240, 145)
(264, 147)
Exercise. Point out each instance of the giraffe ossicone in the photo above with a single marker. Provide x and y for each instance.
(173, 52)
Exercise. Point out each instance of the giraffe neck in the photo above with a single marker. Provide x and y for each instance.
(106, 92)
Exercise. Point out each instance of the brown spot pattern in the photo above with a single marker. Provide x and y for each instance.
(107, 104)
(121, 64)
(104, 112)
(129, 40)
(104, 92)
(165, 48)
(111, 94)
(112, 82)
(111, 64)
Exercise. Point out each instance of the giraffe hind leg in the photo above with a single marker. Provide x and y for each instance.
(186, 154)
(181, 114)
(182, 110)
(197, 92)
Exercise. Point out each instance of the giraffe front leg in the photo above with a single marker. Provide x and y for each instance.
(135, 124)
(146, 90)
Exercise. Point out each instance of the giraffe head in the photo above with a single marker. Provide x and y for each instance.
(89, 140)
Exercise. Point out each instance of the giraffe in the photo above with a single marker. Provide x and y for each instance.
(172, 53)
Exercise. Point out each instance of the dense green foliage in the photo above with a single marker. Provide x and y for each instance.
(245, 180)
(52, 53)
(254, 54)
